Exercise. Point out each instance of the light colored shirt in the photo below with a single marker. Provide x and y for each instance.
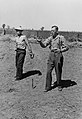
(58, 42)
(22, 43)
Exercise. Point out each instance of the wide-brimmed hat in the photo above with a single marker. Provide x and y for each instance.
(18, 29)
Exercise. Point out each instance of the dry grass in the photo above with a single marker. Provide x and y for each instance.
(18, 100)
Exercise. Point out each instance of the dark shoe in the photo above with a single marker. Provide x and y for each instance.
(18, 78)
(54, 85)
(46, 90)
(60, 88)
(15, 76)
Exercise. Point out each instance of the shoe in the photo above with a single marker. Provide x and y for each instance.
(23, 72)
(46, 90)
(15, 76)
(18, 78)
(52, 84)
(60, 88)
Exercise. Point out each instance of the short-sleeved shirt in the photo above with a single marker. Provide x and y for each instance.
(21, 42)
(55, 43)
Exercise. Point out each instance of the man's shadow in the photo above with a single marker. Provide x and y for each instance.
(30, 73)
(65, 84)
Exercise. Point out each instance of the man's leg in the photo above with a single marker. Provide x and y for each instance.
(61, 65)
(20, 64)
(50, 66)
(58, 68)
(16, 60)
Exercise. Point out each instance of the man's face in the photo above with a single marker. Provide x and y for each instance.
(19, 32)
(54, 31)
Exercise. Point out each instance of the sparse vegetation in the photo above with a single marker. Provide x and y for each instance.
(70, 36)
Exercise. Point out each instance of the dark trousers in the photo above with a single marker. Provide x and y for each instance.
(55, 61)
(20, 56)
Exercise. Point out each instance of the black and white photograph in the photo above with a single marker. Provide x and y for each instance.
(40, 59)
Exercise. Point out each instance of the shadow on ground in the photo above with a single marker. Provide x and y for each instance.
(30, 73)
(65, 84)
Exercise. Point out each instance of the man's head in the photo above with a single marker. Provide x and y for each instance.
(19, 31)
(54, 30)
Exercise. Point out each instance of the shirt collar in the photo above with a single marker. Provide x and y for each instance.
(56, 37)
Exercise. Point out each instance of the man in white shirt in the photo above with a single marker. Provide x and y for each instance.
(57, 45)
(21, 45)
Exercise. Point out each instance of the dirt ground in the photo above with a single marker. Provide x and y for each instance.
(26, 99)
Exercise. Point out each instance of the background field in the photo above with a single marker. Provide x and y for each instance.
(70, 36)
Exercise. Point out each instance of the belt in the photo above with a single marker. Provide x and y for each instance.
(55, 51)
(20, 49)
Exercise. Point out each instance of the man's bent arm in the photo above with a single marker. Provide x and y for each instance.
(66, 48)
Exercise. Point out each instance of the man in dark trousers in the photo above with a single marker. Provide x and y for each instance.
(21, 45)
(57, 45)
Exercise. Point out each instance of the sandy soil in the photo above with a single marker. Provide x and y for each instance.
(26, 99)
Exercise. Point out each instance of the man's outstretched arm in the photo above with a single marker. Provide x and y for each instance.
(44, 43)
(41, 43)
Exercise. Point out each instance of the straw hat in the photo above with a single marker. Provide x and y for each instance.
(19, 29)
